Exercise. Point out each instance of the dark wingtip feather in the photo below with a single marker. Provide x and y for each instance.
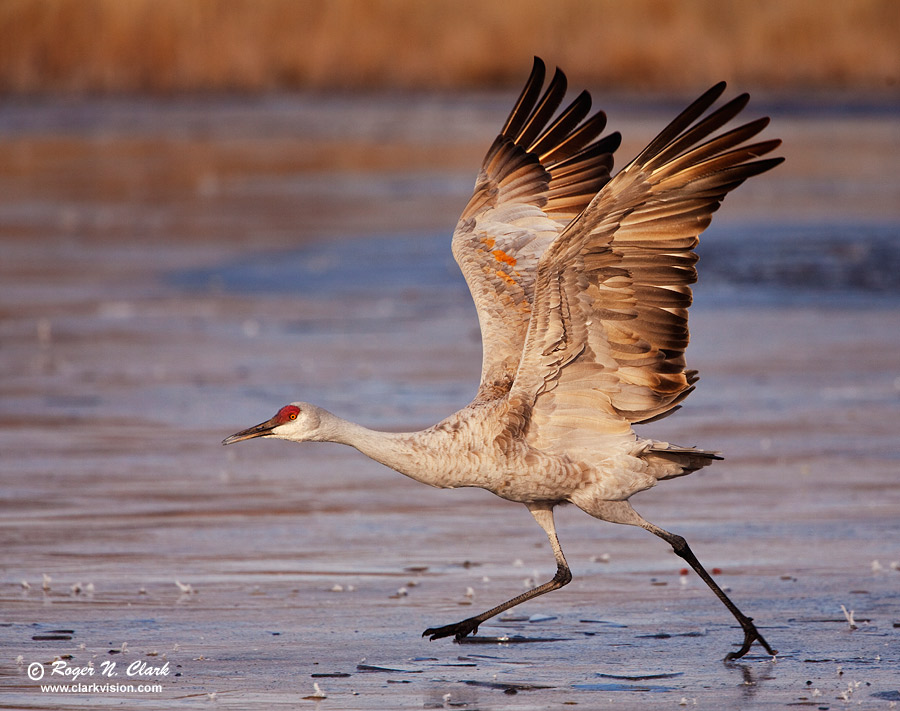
(761, 166)
(522, 108)
(682, 121)
(544, 110)
(611, 142)
(552, 138)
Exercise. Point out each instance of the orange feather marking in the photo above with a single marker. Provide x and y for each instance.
(502, 256)
(506, 277)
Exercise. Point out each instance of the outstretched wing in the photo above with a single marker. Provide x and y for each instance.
(536, 177)
(606, 341)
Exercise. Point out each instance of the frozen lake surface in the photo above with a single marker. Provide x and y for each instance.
(173, 271)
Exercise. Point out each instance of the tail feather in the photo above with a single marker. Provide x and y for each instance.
(668, 461)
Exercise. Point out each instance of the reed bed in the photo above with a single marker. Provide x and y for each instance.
(109, 46)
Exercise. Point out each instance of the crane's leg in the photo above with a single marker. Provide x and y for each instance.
(683, 550)
(543, 514)
(622, 512)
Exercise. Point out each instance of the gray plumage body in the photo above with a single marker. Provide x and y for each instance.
(473, 447)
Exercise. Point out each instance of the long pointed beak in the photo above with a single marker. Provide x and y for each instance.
(261, 430)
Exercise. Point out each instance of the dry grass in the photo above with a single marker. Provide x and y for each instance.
(241, 45)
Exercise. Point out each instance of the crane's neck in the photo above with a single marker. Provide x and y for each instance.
(405, 452)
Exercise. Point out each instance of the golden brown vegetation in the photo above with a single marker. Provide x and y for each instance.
(240, 45)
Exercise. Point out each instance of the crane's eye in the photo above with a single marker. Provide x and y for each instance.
(293, 416)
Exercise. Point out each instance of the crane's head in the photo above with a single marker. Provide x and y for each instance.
(298, 421)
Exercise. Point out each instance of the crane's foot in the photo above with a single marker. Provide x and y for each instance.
(457, 630)
(751, 635)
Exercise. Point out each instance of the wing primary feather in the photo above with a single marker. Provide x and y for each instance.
(581, 137)
(591, 154)
(546, 107)
(713, 147)
(522, 108)
(681, 122)
(565, 122)
(704, 128)
(728, 179)
(717, 165)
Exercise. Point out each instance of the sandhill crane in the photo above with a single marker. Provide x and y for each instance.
(581, 284)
